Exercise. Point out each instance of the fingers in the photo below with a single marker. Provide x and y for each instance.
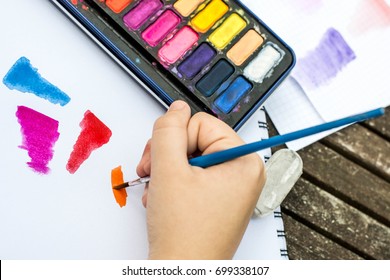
(143, 168)
(145, 196)
(169, 140)
(209, 134)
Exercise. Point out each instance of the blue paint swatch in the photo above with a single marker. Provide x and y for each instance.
(326, 61)
(230, 97)
(25, 78)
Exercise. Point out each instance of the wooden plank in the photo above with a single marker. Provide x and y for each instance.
(347, 180)
(363, 146)
(306, 244)
(381, 125)
(338, 221)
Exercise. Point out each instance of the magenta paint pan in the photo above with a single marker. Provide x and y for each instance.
(214, 54)
(159, 29)
(141, 13)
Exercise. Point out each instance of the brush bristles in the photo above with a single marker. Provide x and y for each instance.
(121, 186)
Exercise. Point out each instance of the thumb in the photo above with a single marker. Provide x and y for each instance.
(169, 138)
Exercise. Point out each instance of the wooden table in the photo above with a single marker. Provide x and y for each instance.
(340, 208)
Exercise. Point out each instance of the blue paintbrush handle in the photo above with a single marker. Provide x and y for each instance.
(226, 155)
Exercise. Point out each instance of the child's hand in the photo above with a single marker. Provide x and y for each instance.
(195, 213)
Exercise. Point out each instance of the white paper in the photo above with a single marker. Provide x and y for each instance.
(291, 110)
(362, 85)
(64, 216)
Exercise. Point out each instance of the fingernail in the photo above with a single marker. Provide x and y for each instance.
(177, 105)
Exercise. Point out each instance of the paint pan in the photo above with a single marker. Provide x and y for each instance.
(214, 54)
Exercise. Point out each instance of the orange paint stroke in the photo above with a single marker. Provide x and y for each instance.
(117, 179)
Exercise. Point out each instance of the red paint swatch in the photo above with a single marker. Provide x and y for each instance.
(94, 134)
(117, 179)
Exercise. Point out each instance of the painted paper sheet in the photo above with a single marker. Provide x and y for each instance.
(88, 116)
(342, 57)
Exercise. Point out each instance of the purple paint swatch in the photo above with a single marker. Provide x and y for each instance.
(39, 133)
(325, 62)
(25, 78)
(197, 61)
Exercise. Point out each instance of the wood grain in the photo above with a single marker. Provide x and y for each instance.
(363, 147)
(303, 243)
(347, 180)
(340, 208)
(338, 221)
(380, 125)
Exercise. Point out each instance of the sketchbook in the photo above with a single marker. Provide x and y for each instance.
(332, 41)
(63, 215)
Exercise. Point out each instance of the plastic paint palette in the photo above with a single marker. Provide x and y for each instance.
(214, 54)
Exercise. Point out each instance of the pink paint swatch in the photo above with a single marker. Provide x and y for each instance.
(307, 5)
(175, 48)
(140, 14)
(372, 14)
(157, 31)
(94, 134)
(380, 11)
(39, 133)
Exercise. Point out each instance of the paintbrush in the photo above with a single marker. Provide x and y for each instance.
(229, 154)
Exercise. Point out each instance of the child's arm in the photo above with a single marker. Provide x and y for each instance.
(195, 213)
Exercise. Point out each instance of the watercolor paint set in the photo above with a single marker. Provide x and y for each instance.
(214, 54)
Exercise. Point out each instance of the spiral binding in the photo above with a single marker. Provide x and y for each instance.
(281, 234)
(263, 125)
(277, 214)
(284, 252)
(266, 158)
